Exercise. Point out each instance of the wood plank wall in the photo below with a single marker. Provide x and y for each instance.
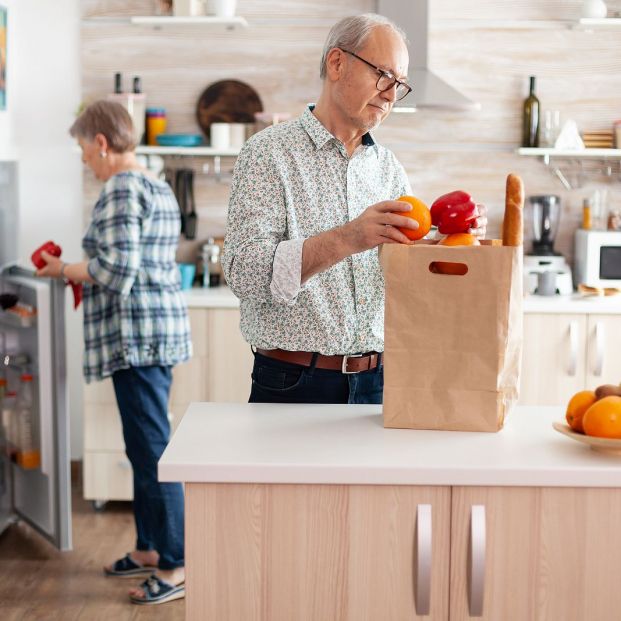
(485, 48)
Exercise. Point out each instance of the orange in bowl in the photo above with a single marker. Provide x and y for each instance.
(577, 407)
(419, 212)
(603, 418)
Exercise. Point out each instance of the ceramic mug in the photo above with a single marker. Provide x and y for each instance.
(237, 135)
(187, 271)
(220, 134)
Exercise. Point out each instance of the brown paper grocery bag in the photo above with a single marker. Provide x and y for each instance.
(452, 342)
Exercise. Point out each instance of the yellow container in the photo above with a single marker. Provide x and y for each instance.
(156, 124)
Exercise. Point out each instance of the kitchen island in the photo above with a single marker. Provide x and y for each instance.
(317, 512)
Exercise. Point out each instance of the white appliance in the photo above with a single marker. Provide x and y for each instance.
(545, 214)
(534, 265)
(34, 345)
(598, 258)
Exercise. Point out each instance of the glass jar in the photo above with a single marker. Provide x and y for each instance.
(211, 263)
(155, 124)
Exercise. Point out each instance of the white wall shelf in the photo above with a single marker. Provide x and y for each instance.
(157, 21)
(576, 157)
(546, 154)
(187, 151)
(591, 23)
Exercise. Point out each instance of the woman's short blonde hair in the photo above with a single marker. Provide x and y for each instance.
(110, 119)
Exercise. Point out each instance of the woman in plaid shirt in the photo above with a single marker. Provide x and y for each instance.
(135, 329)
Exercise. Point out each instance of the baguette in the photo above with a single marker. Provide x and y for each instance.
(512, 228)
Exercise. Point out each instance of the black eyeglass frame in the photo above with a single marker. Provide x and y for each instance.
(383, 74)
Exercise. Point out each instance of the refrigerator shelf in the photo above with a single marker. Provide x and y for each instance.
(13, 320)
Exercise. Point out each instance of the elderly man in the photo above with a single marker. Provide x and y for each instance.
(311, 201)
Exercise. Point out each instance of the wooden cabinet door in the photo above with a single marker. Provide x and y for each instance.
(550, 553)
(229, 358)
(314, 552)
(603, 363)
(553, 358)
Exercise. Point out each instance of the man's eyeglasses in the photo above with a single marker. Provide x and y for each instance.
(386, 79)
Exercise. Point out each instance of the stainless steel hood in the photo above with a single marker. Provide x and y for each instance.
(429, 91)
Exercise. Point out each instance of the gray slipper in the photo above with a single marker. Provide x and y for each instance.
(158, 591)
(127, 567)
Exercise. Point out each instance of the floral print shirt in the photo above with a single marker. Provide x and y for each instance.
(293, 181)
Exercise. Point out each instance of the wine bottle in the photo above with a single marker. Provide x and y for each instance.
(530, 132)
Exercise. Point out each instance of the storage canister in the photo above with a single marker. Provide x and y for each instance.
(156, 124)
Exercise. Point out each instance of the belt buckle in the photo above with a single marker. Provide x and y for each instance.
(344, 365)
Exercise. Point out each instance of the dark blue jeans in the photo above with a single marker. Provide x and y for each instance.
(142, 397)
(275, 381)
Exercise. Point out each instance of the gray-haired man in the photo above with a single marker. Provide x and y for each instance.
(310, 202)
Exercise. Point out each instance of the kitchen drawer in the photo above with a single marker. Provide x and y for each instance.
(100, 393)
(189, 381)
(107, 476)
(102, 428)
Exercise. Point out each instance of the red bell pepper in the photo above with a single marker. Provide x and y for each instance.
(51, 248)
(55, 250)
(454, 212)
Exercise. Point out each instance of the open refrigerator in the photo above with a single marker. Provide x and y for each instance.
(33, 342)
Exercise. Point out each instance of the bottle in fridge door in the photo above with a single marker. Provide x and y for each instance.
(28, 454)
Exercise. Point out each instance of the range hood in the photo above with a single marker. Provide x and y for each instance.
(429, 91)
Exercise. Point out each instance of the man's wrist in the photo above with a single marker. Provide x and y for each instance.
(345, 240)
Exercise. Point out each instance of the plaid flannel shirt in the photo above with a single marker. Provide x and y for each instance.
(134, 313)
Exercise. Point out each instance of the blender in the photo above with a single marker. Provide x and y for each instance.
(546, 212)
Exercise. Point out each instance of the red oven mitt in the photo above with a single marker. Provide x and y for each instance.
(51, 248)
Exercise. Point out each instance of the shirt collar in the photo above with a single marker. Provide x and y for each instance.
(320, 135)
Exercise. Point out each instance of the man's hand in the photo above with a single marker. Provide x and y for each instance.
(52, 267)
(480, 224)
(377, 225)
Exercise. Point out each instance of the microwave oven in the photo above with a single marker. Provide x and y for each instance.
(598, 258)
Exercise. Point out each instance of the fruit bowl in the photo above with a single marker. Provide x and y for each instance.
(604, 445)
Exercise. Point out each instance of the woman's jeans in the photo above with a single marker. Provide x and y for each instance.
(275, 381)
(142, 397)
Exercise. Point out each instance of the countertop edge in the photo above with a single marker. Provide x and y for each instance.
(329, 475)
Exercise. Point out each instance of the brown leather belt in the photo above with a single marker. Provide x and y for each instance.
(345, 364)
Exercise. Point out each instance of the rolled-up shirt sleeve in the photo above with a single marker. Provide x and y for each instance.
(287, 271)
(119, 225)
(256, 224)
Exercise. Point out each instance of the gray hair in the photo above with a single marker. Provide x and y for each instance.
(351, 33)
(110, 119)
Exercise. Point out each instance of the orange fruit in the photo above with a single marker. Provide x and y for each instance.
(455, 239)
(419, 212)
(460, 239)
(603, 418)
(576, 408)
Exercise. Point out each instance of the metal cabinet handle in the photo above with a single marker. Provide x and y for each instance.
(599, 348)
(573, 348)
(422, 571)
(476, 577)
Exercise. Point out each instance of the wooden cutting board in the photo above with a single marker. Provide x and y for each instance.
(227, 101)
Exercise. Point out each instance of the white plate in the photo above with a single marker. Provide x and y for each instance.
(605, 445)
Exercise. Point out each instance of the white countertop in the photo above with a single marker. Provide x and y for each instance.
(572, 304)
(223, 297)
(211, 297)
(347, 444)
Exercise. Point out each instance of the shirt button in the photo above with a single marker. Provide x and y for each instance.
(362, 301)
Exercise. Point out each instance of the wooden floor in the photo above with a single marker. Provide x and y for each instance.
(38, 582)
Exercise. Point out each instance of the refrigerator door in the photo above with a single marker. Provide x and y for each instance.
(9, 225)
(41, 496)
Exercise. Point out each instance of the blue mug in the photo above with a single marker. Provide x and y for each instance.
(187, 271)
